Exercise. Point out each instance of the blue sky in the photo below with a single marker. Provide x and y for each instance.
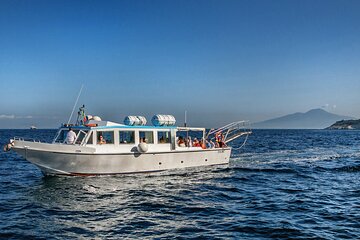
(220, 60)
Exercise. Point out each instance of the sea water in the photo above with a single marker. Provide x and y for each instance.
(284, 184)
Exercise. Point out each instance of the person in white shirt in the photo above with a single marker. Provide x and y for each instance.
(70, 137)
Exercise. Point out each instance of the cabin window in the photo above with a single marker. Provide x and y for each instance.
(81, 136)
(90, 141)
(62, 135)
(146, 136)
(105, 137)
(126, 137)
(164, 137)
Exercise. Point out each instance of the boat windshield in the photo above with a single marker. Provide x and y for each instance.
(80, 136)
(61, 136)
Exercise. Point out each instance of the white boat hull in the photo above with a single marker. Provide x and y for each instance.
(84, 161)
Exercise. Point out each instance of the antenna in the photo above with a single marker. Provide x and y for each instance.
(185, 119)
(77, 99)
(187, 132)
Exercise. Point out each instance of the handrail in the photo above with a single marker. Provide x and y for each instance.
(26, 139)
(230, 131)
(228, 126)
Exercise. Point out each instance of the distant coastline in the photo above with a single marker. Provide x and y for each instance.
(312, 119)
(345, 125)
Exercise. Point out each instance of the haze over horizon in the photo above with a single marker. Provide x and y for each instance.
(220, 61)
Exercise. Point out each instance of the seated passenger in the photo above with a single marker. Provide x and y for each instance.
(202, 144)
(196, 143)
(101, 140)
(181, 142)
(70, 137)
(189, 142)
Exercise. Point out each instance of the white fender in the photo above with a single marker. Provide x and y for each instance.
(142, 147)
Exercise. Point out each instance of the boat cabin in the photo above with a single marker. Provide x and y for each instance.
(108, 134)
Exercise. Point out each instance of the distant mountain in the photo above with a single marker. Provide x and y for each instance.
(313, 119)
(346, 124)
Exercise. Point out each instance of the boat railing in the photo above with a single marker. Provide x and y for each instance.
(230, 131)
(26, 139)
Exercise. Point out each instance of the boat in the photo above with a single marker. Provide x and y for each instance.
(132, 147)
(33, 127)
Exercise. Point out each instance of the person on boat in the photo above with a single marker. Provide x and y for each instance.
(101, 140)
(220, 140)
(202, 144)
(70, 137)
(181, 142)
(196, 143)
(189, 143)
